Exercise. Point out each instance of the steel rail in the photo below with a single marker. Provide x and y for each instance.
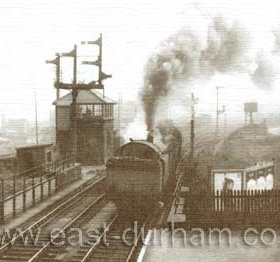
(136, 242)
(41, 252)
(144, 247)
(88, 255)
(42, 221)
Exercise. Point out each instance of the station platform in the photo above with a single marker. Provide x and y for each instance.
(182, 248)
(88, 173)
(177, 214)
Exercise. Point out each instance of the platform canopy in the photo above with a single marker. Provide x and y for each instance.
(84, 97)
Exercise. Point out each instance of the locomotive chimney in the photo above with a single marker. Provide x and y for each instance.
(150, 137)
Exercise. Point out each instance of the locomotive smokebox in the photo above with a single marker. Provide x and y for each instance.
(150, 137)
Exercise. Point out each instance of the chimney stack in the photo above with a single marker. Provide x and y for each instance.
(150, 137)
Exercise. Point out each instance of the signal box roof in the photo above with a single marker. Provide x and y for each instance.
(84, 97)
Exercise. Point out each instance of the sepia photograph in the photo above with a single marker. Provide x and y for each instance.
(140, 131)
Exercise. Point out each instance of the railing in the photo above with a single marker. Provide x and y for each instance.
(53, 166)
(34, 184)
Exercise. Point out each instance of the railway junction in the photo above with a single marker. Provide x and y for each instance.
(92, 197)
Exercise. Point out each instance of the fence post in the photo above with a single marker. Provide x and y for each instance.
(49, 186)
(33, 190)
(24, 195)
(274, 199)
(242, 200)
(234, 200)
(264, 200)
(14, 195)
(269, 198)
(246, 201)
(2, 214)
(277, 200)
(231, 200)
(259, 200)
(42, 187)
(250, 198)
(55, 182)
(222, 200)
(238, 206)
(217, 207)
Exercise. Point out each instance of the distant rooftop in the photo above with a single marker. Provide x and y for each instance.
(84, 97)
(260, 165)
(34, 146)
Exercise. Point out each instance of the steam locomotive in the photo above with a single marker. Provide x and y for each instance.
(140, 175)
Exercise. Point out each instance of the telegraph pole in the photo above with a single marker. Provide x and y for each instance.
(101, 76)
(119, 110)
(218, 112)
(73, 109)
(36, 120)
(74, 102)
(56, 62)
(58, 75)
(225, 120)
(194, 101)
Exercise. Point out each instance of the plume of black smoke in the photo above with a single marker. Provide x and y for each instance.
(183, 57)
(171, 137)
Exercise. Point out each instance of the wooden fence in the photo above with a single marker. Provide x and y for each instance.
(251, 201)
(234, 208)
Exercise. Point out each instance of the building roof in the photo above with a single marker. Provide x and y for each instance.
(33, 146)
(84, 97)
(228, 164)
(260, 165)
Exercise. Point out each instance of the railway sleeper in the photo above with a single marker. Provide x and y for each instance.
(21, 253)
(106, 259)
(13, 258)
(24, 248)
(115, 251)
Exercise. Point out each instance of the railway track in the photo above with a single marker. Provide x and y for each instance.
(108, 246)
(72, 212)
(118, 246)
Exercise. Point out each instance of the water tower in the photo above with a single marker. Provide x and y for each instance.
(249, 109)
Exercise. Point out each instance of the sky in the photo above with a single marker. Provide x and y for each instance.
(32, 31)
